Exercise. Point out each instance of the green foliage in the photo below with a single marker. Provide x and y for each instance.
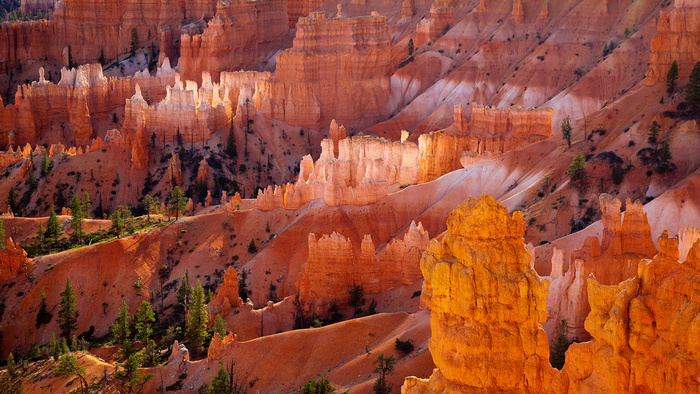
(2, 234)
(356, 299)
(43, 316)
(672, 77)
(618, 173)
(231, 150)
(12, 199)
(404, 347)
(197, 322)
(410, 47)
(577, 168)
(68, 366)
(184, 293)
(53, 226)
(561, 342)
(45, 164)
(220, 326)
(654, 129)
(320, 386)
(177, 201)
(384, 366)
(117, 227)
(67, 313)
(692, 90)
(55, 347)
(664, 164)
(145, 317)
(120, 328)
(225, 382)
(152, 205)
(130, 376)
(566, 130)
(76, 211)
(87, 205)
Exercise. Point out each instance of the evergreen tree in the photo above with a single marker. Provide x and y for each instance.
(144, 318)
(566, 130)
(53, 226)
(55, 347)
(76, 211)
(177, 201)
(320, 386)
(45, 164)
(152, 204)
(664, 163)
(117, 227)
(43, 316)
(197, 322)
(654, 129)
(577, 168)
(101, 59)
(618, 174)
(68, 366)
(221, 382)
(67, 313)
(692, 90)
(178, 137)
(130, 375)
(560, 344)
(410, 47)
(184, 293)
(672, 77)
(385, 366)
(356, 299)
(220, 326)
(71, 63)
(87, 205)
(12, 199)
(231, 150)
(120, 328)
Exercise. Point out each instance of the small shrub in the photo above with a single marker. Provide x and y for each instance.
(404, 347)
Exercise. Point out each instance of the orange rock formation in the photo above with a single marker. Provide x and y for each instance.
(333, 268)
(442, 13)
(490, 130)
(677, 37)
(337, 69)
(237, 37)
(227, 294)
(486, 304)
(12, 260)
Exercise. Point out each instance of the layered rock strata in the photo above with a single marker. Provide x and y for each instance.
(442, 14)
(366, 169)
(677, 39)
(491, 130)
(237, 37)
(333, 267)
(337, 69)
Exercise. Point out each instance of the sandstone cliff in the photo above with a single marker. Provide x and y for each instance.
(677, 37)
(334, 267)
(491, 131)
(12, 260)
(239, 36)
(338, 68)
(442, 14)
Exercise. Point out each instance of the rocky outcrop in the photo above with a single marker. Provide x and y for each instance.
(239, 35)
(442, 14)
(677, 38)
(491, 132)
(625, 243)
(366, 169)
(300, 8)
(333, 267)
(486, 303)
(227, 295)
(79, 102)
(337, 69)
(12, 260)
(218, 347)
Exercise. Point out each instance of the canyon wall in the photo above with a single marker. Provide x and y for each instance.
(677, 38)
(491, 131)
(367, 168)
(238, 36)
(68, 111)
(442, 14)
(333, 268)
(300, 8)
(338, 68)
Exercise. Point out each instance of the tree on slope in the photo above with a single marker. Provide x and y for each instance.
(67, 313)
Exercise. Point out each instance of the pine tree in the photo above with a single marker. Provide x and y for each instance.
(692, 90)
(152, 205)
(55, 347)
(144, 318)
(654, 132)
(385, 366)
(184, 293)
(76, 211)
(45, 164)
(68, 366)
(117, 227)
(221, 382)
(67, 313)
(561, 343)
(197, 322)
(231, 150)
(43, 316)
(410, 47)
(577, 168)
(120, 328)
(220, 326)
(53, 226)
(87, 205)
(320, 386)
(12, 199)
(130, 375)
(177, 201)
(134, 41)
(566, 130)
(101, 59)
(664, 163)
(671, 77)
(356, 299)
